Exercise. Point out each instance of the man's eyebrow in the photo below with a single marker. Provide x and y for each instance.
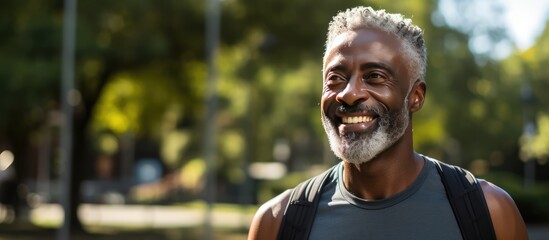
(336, 66)
(381, 65)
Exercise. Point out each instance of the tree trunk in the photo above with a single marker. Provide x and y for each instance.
(78, 172)
(82, 158)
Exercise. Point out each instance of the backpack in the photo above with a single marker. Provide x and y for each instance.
(462, 188)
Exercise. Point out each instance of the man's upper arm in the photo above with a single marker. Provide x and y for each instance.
(508, 223)
(268, 217)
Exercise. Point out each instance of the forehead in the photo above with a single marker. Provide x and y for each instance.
(364, 44)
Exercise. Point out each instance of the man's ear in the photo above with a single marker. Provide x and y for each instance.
(417, 96)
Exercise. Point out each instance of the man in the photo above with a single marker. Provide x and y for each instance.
(374, 80)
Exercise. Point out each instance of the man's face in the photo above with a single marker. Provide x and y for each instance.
(365, 94)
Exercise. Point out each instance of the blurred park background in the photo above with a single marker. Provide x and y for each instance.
(179, 131)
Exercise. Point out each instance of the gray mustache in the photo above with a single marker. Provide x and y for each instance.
(359, 109)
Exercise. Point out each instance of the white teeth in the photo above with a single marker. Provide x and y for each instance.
(357, 119)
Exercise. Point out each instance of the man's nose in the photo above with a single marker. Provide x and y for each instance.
(354, 93)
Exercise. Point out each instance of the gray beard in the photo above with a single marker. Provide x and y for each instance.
(359, 148)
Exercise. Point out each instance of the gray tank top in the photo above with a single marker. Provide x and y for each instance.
(422, 211)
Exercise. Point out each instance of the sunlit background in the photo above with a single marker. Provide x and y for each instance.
(181, 131)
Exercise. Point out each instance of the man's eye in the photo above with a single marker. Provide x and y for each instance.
(336, 78)
(373, 76)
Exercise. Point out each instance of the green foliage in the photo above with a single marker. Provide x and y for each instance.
(535, 72)
(540, 142)
(30, 63)
(135, 102)
(141, 71)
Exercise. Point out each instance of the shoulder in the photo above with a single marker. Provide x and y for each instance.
(268, 217)
(506, 218)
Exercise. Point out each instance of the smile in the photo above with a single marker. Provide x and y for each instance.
(357, 119)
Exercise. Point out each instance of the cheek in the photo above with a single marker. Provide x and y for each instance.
(327, 99)
(381, 92)
(381, 96)
(389, 95)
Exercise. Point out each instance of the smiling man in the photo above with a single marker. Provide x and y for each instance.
(374, 80)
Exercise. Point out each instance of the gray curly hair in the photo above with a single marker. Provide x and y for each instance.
(365, 17)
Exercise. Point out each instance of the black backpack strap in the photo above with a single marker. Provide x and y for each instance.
(301, 210)
(467, 201)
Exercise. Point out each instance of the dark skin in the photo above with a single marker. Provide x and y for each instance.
(367, 67)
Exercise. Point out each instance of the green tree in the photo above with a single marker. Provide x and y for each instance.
(140, 70)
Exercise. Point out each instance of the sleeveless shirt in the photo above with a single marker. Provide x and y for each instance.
(421, 211)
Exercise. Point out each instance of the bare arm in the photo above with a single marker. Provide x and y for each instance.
(508, 223)
(268, 217)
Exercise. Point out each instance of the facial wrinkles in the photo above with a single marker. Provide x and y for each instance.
(337, 61)
(362, 147)
(351, 52)
(390, 125)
